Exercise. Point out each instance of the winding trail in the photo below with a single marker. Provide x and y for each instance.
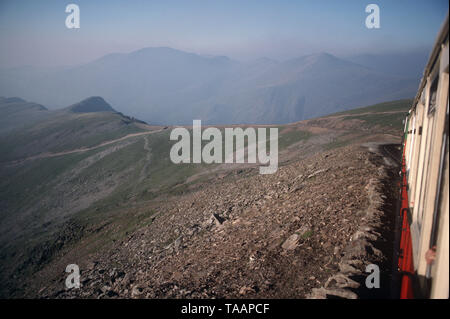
(148, 156)
(79, 150)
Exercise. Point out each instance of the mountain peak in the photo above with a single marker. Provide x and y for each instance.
(321, 57)
(91, 104)
(318, 60)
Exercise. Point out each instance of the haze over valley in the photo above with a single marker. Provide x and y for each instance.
(167, 86)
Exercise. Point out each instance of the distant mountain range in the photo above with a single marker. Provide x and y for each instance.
(168, 86)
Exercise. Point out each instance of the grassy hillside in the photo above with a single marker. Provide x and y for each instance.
(57, 131)
(17, 113)
(392, 106)
(388, 114)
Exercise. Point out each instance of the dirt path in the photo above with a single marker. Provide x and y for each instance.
(80, 150)
(362, 114)
(148, 156)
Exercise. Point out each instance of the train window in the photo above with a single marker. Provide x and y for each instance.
(441, 182)
(433, 94)
(422, 97)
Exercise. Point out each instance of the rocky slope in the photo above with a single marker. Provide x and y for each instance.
(277, 236)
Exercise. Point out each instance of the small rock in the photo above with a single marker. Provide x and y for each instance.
(137, 291)
(291, 243)
(218, 219)
(105, 288)
(177, 243)
(245, 290)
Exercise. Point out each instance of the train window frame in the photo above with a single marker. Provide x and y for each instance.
(429, 142)
(433, 90)
(422, 97)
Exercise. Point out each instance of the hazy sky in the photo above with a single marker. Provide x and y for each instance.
(33, 32)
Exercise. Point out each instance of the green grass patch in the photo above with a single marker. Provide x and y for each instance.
(394, 120)
(307, 234)
(291, 137)
(392, 106)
